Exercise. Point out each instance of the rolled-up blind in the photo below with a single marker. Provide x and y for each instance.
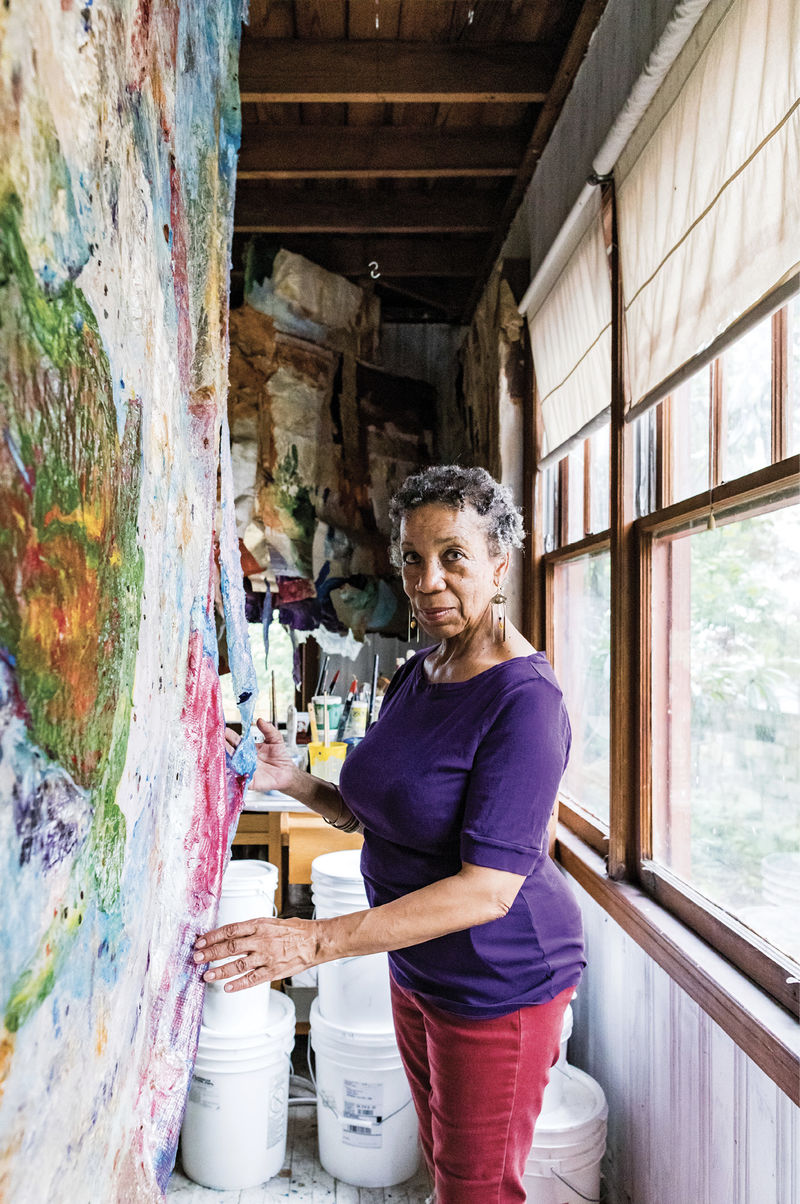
(570, 334)
(708, 189)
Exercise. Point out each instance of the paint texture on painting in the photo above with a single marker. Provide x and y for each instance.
(119, 127)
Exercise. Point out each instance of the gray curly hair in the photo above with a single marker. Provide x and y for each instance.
(456, 487)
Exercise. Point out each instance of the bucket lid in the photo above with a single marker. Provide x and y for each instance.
(343, 865)
(336, 1032)
(582, 1112)
(250, 875)
(569, 1159)
(342, 891)
(281, 1018)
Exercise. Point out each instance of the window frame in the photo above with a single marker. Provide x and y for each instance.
(625, 842)
(583, 822)
(758, 960)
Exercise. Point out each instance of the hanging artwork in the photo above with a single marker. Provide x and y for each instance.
(119, 128)
(321, 438)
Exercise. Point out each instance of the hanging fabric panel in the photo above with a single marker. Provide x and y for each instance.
(709, 203)
(571, 339)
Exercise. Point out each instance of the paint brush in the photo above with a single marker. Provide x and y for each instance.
(351, 693)
(333, 683)
(274, 700)
(322, 672)
(373, 698)
(312, 723)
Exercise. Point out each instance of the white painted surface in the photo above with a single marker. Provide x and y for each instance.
(692, 1120)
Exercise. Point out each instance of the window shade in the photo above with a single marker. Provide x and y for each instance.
(709, 204)
(571, 339)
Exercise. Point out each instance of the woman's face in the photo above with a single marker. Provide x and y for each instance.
(449, 574)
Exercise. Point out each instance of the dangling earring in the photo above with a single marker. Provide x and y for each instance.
(500, 600)
(413, 627)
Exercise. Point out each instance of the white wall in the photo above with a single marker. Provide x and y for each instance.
(692, 1120)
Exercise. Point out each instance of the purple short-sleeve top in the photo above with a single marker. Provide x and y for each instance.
(468, 772)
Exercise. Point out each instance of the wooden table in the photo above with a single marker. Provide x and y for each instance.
(276, 820)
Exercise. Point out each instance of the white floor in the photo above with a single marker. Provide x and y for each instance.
(302, 1179)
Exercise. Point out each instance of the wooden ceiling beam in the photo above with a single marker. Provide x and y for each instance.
(396, 256)
(573, 56)
(278, 211)
(368, 72)
(447, 296)
(351, 152)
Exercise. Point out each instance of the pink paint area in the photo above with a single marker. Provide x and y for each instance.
(219, 793)
(178, 1000)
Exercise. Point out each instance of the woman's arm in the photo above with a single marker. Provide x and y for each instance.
(266, 950)
(275, 770)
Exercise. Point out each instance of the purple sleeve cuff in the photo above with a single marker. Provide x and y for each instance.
(495, 854)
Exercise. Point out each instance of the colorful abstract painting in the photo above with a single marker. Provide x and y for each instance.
(119, 129)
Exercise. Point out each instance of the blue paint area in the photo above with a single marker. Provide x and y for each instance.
(203, 622)
(245, 683)
(80, 964)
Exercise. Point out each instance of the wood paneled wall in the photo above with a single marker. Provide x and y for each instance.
(691, 1119)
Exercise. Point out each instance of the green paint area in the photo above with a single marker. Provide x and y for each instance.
(36, 982)
(70, 565)
(292, 499)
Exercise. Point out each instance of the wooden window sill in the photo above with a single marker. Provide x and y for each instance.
(758, 1025)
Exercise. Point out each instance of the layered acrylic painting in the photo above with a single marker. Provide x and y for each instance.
(119, 127)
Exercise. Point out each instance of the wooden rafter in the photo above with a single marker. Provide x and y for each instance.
(281, 153)
(397, 256)
(335, 72)
(448, 296)
(275, 211)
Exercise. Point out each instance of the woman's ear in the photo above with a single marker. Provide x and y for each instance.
(502, 567)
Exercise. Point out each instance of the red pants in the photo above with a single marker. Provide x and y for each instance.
(477, 1086)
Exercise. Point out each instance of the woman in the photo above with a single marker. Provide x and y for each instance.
(453, 788)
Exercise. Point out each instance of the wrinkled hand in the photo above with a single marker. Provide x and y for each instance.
(263, 950)
(274, 765)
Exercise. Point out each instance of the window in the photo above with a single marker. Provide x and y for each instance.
(576, 507)
(713, 684)
(720, 811)
(793, 376)
(725, 716)
(581, 637)
(689, 434)
(745, 372)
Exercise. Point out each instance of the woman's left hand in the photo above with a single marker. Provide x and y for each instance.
(263, 951)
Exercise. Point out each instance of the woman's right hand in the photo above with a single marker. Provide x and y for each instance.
(275, 769)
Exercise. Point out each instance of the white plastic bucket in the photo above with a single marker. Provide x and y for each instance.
(234, 1128)
(563, 1166)
(341, 868)
(353, 992)
(339, 901)
(248, 892)
(366, 1121)
(554, 1091)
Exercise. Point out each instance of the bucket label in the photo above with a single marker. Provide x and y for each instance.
(278, 1109)
(205, 1093)
(363, 1114)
